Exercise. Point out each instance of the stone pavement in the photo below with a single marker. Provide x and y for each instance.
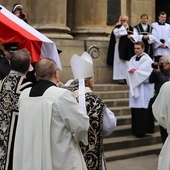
(147, 162)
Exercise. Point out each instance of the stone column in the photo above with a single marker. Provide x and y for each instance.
(89, 20)
(5, 4)
(49, 17)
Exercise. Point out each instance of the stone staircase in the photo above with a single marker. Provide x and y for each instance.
(121, 144)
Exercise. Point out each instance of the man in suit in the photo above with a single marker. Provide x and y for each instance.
(5, 56)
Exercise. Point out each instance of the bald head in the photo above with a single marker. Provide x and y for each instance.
(45, 69)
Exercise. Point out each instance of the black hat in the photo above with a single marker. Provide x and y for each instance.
(59, 51)
(11, 47)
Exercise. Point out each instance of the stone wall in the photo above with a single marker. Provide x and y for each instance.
(102, 72)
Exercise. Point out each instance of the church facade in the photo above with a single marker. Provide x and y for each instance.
(84, 25)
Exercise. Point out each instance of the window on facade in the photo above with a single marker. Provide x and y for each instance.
(113, 11)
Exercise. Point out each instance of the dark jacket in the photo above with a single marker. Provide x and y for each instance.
(159, 79)
(4, 67)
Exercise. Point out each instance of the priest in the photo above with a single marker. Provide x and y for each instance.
(140, 89)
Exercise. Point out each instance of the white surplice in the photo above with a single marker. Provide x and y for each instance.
(161, 111)
(140, 89)
(161, 32)
(48, 132)
(139, 37)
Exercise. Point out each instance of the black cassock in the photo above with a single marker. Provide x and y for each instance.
(125, 48)
(10, 89)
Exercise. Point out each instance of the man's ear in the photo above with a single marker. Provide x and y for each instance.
(87, 82)
(56, 74)
(35, 75)
(91, 82)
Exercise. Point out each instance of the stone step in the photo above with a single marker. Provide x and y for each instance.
(130, 141)
(117, 102)
(113, 94)
(132, 152)
(103, 87)
(125, 130)
(125, 120)
(121, 143)
(120, 131)
(120, 110)
(110, 87)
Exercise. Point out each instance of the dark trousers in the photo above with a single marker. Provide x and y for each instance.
(139, 121)
(164, 133)
(151, 118)
(150, 126)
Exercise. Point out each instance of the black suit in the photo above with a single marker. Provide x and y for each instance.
(4, 67)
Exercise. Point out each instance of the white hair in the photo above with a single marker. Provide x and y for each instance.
(166, 59)
(123, 16)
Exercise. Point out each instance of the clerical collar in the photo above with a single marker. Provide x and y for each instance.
(160, 23)
(40, 87)
(139, 57)
(143, 24)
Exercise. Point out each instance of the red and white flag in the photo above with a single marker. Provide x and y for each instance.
(13, 29)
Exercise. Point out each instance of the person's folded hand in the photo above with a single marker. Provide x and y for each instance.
(132, 70)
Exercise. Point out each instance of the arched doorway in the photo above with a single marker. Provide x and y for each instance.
(163, 5)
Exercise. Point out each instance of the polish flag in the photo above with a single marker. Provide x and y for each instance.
(13, 29)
